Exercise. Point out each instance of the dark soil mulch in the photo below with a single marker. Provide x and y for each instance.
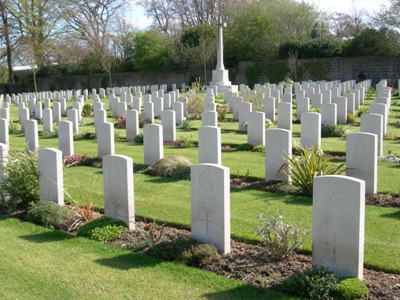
(247, 262)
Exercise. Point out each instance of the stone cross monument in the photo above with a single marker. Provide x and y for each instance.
(220, 77)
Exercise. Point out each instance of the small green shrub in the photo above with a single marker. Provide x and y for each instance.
(268, 123)
(195, 100)
(20, 185)
(198, 255)
(187, 141)
(49, 135)
(351, 119)
(222, 112)
(310, 163)
(315, 283)
(173, 166)
(87, 229)
(92, 161)
(279, 239)
(139, 138)
(333, 130)
(259, 148)
(315, 109)
(84, 136)
(14, 128)
(244, 147)
(186, 125)
(171, 250)
(47, 213)
(364, 110)
(351, 288)
(87, 110)
(107, 233)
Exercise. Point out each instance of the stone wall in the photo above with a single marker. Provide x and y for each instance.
(120, 79)
(340, 68)
(248, 72)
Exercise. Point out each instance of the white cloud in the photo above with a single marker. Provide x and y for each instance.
(136, 16)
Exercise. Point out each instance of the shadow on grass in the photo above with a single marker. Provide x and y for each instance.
(157, 179)
(270, 195)
(247, 292)
(129, 261)
(46, 237)
(393, 215)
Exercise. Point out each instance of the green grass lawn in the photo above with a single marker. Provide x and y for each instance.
(37, 263)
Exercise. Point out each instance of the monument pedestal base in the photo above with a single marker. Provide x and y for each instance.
(220, 79)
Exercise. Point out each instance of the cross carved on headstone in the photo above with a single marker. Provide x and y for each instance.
(207, 220)
(334, 244)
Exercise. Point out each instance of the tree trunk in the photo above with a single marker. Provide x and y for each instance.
(6, 33)
(34, 79)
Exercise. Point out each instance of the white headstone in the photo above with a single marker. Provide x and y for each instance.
(244, 109)
(269, 108)
(4, 136)
(209, 118)
(149, 112)
(285, 116)
(362, 159)
(278, 146)
(210, 145)
(31, 136)
(66, 138)
(47, 120)
(105, 139)
(373, 123)
(210, 205)
(341, 109)
(153, 143)
(169, 125)
(178, 108)
(56, 112)
(132, 124)
(158, 106)
(119, 201)
(256, 128)
(328, 114)
(51, 184)
(303, 106)
(338, 225)
(310, 135)
(72, 116)
(23, 117)
(380, 109)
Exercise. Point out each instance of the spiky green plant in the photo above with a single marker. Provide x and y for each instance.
(311, 162)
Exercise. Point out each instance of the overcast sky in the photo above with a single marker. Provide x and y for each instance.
(138, 18)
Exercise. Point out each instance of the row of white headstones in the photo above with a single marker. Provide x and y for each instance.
(338, 204)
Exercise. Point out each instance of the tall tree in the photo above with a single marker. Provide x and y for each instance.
(171, 16)
(92, 21)
(256, 29)
(346, 25)
(38, 23)
(6, 36)
(389, 16)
